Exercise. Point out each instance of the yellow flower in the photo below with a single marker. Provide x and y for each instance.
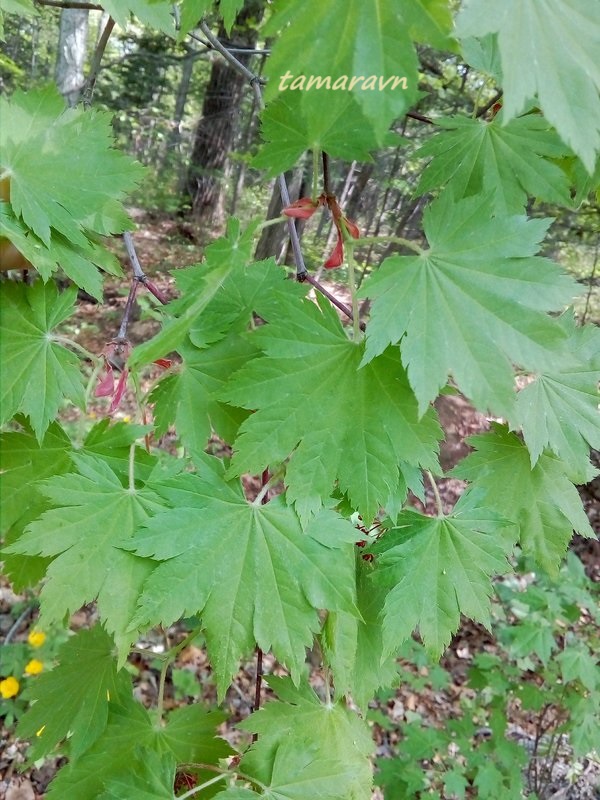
(9, 687)
(36, 638)
(34, 667)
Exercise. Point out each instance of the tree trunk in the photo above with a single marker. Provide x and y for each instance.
(70, 61)
(216, 129)
(274, 240)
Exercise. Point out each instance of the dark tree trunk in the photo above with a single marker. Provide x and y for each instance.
(216, 129)
(274, 240)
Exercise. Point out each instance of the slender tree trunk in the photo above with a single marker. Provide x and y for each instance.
(274, 239)
(216, 129)
(72, 46)
(174, 138)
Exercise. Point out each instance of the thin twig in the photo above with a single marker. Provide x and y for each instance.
(228, 56)
(484, 109)
(264, 499)
(18, 622)
(420, 117)
(256, 82)
(122, 334)
(326, 181)
(69, 4)
(138, 273)
(257, 685)
(436, 493)
(592, 277)
(249, 51)
(332, 299)
(90, 83)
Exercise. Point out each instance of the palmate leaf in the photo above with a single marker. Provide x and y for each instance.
(25, 460)
(559, 409)
(212, 302)
(63, 172)
(548, 48)
(353, 647)
(439, 568)
(189, 398)
(540, 500)
(132, 743)
(343, 423)
(470, 304)
(157, 14)
(369, 39)
(287, 131)
(474, 156)
(37, 372)
(430, 23)
(151, 778)
(251, 571)
(308, 749)
(95, 512)
(77, 262)
(74, 696)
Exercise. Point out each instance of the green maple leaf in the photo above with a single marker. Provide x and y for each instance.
(252, 572)
(471, 304)
(548, 49)
(540, 499)
(250, 289)
(345, 423)
(439, 568)
(111, 442)
(155, 14)
(77, 262)
(354, 647)
(559, 409)
(532, 636)
(37, 371)
(287, 132)
(189, 399)
(74, 696)
(208, 290)
(66, 182)
(151, 778)
(191, 11)
(369, 39)
(331, 744)
(577, 663)
(430, 23)
(474, 156)
(25, 460)
(132, 742)
(95, 512)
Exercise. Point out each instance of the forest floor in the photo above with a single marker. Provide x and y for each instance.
(164, 244)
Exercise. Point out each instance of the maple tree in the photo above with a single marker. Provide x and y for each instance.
(340, 418)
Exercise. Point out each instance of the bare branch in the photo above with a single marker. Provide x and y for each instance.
(332, 299)
(90, 84)
(256, 81)
(138, 273)
(420, 117)
(122, 334)
(484, 109)
(68, 4)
